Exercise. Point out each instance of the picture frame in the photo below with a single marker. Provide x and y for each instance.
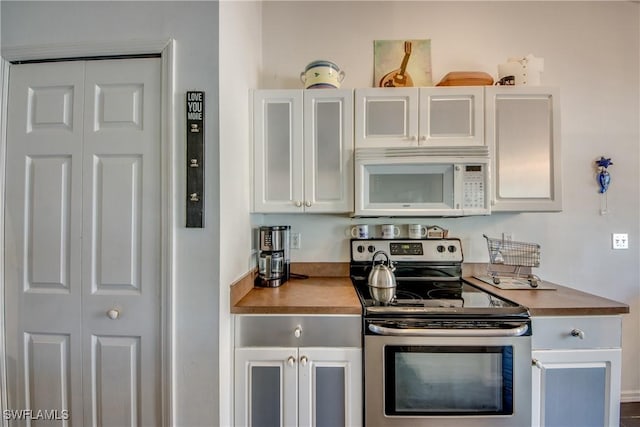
(402, 63)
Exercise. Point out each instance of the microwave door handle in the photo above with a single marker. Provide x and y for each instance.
(429, 332)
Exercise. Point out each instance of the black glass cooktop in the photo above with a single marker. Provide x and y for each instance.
(428, 297)
(429, 281)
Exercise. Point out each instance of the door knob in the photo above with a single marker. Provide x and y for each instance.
(113, 314)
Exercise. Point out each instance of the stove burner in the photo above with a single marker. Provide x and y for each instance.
(433, 298)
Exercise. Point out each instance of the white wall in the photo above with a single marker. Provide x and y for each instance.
(241, 55)
(194, 26)
(591, 52)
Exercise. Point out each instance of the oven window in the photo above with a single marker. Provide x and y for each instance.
(451, 380)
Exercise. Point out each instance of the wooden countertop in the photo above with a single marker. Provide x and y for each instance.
(562, 301)
(315, 295)
(333, 293)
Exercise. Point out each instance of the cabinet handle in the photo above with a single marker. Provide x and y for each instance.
(291, 361)
(577, 333)
(303, 361)
(413, 138)
(297, 332)
(423, 138)
(307, 204)
(298, 204)
(536, 363)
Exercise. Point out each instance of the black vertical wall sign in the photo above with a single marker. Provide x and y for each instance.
(195, 159)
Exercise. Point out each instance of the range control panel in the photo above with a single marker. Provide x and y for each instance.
(449, 250)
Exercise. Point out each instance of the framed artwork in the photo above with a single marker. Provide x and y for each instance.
(402, 63)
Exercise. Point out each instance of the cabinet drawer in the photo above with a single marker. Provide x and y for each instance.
(298, 331)
(566, 332)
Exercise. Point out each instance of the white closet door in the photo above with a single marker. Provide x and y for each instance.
(121, 243)
(42, 237)
(83, 240)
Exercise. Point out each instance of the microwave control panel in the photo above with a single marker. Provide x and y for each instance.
(474, 182)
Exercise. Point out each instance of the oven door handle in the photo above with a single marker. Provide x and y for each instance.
(435, 332)
(432, 278)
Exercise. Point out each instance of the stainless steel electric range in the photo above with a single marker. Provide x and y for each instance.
(443, 352)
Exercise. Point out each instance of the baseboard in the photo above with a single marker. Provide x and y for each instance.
(630, 396)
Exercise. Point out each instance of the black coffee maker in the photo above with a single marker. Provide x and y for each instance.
(274, 258)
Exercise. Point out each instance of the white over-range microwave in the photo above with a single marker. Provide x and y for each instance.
(422, 181)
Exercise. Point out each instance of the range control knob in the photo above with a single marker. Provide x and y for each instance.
(371, 248)
(360, 248)
(452, 248)
(441, 248)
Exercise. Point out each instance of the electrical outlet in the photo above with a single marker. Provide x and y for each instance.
(620, 241)
(295, 240)
(507, 236)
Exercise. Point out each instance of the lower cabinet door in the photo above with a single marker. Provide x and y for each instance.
(298, 386)
(330, 387)
(578, 388)
(266, 386)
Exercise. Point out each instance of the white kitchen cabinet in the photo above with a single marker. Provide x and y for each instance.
(523, 131)
(298, 371)
(429, 116)
(303, 151)
(576, 371)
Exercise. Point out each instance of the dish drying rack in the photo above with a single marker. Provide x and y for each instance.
(511, 253)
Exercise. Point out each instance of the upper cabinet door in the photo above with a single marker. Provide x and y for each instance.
(451, 116)
(328, 150)
(386, 117)
(523, 128)
(303, 151)
(278, 185)
(433, 116)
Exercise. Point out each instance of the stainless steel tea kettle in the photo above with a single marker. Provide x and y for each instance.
(382, 281)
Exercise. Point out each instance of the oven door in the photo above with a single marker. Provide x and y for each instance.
(464, 377)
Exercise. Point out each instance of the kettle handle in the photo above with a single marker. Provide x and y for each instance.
(389, 263)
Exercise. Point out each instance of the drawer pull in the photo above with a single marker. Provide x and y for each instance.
(577, 333)
(297, 332)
